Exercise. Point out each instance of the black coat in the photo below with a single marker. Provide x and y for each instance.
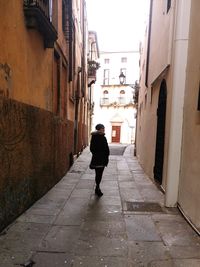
(100, 150)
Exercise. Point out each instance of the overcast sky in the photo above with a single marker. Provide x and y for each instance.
(119, 24)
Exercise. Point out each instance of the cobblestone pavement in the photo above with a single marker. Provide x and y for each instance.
(127, 227)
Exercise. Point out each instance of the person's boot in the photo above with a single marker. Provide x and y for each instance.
(98, 192)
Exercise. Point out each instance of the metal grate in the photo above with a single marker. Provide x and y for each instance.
(143, 206)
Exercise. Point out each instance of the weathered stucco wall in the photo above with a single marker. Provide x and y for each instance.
(146, 129)
(37, 108)
(34, 155)
(189, 197)
(160, 38)
(160, 51)
(22, 50)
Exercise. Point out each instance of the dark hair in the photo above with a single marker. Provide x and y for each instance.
(99, 126)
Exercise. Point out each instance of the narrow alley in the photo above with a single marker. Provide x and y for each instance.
(127, 227)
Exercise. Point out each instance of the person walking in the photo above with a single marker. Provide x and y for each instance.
(100, 155)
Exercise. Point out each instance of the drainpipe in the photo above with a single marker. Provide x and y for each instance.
(181, 36)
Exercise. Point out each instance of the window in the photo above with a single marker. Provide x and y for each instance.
(124, 59)
(106, 60)
(56, 83)
(168, 5)
(122, 97)
(68, 28)
(64, 91)
(105, 99)
(106, 74)
(64, 18)
(67, 20)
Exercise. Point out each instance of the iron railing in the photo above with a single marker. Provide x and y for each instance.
(104, 101)
(119, 102)
(43, 5)
(38, 14)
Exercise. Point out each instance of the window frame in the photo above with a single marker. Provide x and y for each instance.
(106, 76)
(106, 61)
(123, 59)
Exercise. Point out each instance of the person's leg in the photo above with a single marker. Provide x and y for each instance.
(99, 174)
(98, 177)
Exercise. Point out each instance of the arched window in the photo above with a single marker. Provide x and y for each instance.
(105, 99)
(122, 97)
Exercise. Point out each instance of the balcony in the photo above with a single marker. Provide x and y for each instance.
(120, 102)
(93, 66)
(104, 101)
(37, 15)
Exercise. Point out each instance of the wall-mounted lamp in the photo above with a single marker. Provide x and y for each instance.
(122, 78)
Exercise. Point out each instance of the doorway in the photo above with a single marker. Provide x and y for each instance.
(160, 136)
(116, 132)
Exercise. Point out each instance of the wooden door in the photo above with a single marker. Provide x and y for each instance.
(116, 130)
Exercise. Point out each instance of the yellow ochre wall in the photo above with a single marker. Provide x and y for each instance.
(23, 51)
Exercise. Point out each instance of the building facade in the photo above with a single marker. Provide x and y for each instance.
(168, 110)
(93, 66)
(114, 104)
(43, 97)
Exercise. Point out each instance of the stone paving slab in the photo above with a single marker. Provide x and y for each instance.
(85, 184)
(48, 259)
(144, 253)
(64, 260)
(185, 252)
(141, 228)
(88, 176)
(82, 193)
(73, 213)
(35, 218)
(130, 195)
(127, 184)
(23, 237)
(108, 213)
(176, 263)
(175, 231)
(109, 192)
(102, 246)
(96, 261)
(70, 226)
(70, 218)
(60, 239)
(125, 177)
(12, 258)
(110, 229)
